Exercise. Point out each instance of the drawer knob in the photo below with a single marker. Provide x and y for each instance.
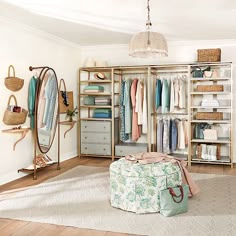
(85, 126)
(85, 137)
(104, 149)
(104, 138)
(121, 151)
(85, 148)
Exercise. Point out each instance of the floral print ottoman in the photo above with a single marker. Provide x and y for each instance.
(136, 187)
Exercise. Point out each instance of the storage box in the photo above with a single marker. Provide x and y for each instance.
(210, 88)
(209, 55)
(209, 116)
(199, 151)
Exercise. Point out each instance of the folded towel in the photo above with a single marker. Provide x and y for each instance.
(102, 115)
(102, 110)
(94, 87)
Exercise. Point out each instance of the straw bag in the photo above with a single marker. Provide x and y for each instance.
(66, 101)
(13, 83)
(12, 117)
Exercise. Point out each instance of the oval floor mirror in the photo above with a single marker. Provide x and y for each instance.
(46, 116)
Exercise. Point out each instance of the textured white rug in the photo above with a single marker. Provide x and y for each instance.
(80, 198)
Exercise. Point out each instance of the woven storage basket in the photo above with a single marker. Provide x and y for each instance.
(13, 83)
(14, 118)
(209, 55)
(199, 151)
(210, 88)
(209, 116)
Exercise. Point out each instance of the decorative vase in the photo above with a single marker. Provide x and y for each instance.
(70, 118)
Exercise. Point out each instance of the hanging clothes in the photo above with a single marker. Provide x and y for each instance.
(165, 96)
(135, 127)
(185, 132)
(181, 137)
(182, 94)
(123, 135)
(31, 99)
(144, 127)
(173, 135)
(160, 135)
(127, 104)
(166, 144)
(176, 92)
(172, 96)
(139, 102)
(158, 93)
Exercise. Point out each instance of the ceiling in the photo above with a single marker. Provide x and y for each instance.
(103, 22)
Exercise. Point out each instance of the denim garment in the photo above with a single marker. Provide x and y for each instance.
(123, 135)
(165, 96)
(160, 136)
(128, 107)
(173, 135)
(158, 93)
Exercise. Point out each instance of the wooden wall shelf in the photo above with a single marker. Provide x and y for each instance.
(70, 123)
(22, 131)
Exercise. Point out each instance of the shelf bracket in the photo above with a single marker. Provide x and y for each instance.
(70, 123)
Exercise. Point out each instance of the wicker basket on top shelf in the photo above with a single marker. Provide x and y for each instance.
(209, 55)
(210, 88)
(199, 151)
(209, 116)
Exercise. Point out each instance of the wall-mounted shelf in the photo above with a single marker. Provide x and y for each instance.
(70, 123)
(22, 131)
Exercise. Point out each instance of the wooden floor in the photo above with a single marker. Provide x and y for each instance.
(24, 228)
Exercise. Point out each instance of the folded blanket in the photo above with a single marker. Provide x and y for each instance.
(94, 87)
(102, 110)
(102, 115)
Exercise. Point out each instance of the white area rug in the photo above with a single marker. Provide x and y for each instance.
(80, 198)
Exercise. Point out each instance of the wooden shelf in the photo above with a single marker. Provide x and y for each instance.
(211, 121)
(209, 79)
(31, 167)
(223, 141)
(22, 131)
(70, 123)
(105, 119)
(210, 93)
(219, 107)
(95, 81)
(95, 106)
(96, 94)
(224, 160)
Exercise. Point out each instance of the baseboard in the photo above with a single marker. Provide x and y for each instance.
(15, 175)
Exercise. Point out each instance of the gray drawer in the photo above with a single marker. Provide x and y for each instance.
(123, 150)
(96, 149)
(102, 138)
(95, 126)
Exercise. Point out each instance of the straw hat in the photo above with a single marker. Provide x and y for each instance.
(100, 76)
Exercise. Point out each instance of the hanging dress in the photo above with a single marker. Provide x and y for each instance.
(128, 107)
(123, 135)
(135, 127)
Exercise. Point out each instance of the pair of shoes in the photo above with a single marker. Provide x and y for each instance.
(40, 161)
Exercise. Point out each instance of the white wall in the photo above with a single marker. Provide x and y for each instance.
(23, 47)
(179, 52)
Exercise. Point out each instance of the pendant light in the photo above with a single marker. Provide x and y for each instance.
(148, 44)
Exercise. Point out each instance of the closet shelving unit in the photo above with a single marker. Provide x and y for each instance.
(222, 76)
(170, 72)
(143, 144)
(96, 135)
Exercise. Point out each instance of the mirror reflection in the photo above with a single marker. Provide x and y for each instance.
(47, 110)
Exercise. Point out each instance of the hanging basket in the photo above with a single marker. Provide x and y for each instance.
(12, 82)
(14, 118)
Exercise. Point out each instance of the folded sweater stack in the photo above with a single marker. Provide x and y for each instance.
(93, 89)
(210, 103)
(102, 113)
(102, 101)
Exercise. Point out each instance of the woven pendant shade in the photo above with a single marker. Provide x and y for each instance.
(138, 46)
(148, 44)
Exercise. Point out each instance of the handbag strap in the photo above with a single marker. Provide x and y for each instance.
(9, 99)
(174, 196)
(62, 81)
(9, 71)
(197, 68)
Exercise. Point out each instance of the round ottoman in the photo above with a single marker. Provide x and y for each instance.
(136, 187)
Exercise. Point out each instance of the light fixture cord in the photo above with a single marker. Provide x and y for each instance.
(148, 23)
